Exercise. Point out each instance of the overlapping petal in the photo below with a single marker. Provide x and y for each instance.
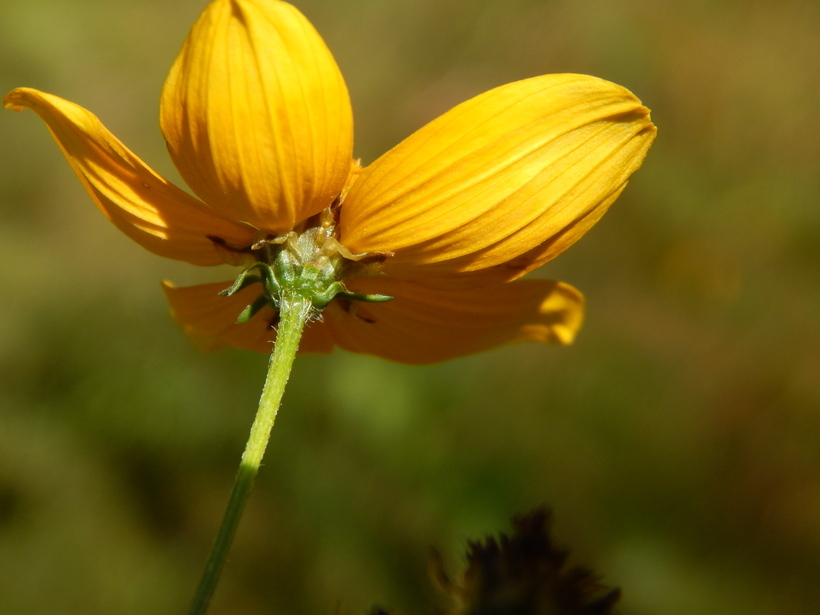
(153, 212)
(421, 325)
(427, 325)
(528, 163)
(257, 119)
(257, 116)
(210, 319)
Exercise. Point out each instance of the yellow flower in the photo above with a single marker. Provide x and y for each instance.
(258, 121)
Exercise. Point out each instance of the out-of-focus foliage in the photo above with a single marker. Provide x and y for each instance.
(678, 441)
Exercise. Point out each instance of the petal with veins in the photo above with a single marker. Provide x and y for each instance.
(498, 176)
(257, 116)
(426, 325)
(150, 210)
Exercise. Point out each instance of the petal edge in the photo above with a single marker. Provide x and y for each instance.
(497, 176)
(428, 325)
(153, 212)
(257, 116)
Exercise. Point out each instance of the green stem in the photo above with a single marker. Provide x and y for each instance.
(293, 315)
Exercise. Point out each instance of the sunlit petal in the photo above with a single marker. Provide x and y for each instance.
(425, 325)
(528, 163)
(210, 320)
(257, 115)
(153, 212)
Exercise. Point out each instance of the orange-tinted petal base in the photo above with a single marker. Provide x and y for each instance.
(427, 325)
(420, 325)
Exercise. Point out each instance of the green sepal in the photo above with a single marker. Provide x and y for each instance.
(320, 300)
(337, 289)
(285, 277)
(365, 298)
(251, 310)
(246, 278)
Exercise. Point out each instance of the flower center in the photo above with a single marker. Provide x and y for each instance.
(308, 264)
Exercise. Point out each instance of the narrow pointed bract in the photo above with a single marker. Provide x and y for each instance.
(257, 119)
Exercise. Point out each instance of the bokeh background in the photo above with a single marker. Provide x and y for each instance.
(678, 441)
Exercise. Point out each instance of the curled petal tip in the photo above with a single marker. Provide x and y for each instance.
(146, 207)
(22, 98)
(10, 100)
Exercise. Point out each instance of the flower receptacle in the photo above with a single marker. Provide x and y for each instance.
(310, 265)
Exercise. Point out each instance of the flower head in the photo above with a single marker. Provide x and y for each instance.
(258, 121)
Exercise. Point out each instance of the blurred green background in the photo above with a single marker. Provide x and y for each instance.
(678, 441)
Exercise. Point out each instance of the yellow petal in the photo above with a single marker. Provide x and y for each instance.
(421, 325)
(425, 325)
(210, 319)
(525, 164)
(151, 211)
(257, 115)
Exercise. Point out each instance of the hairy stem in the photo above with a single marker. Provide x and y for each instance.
(293, 315)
